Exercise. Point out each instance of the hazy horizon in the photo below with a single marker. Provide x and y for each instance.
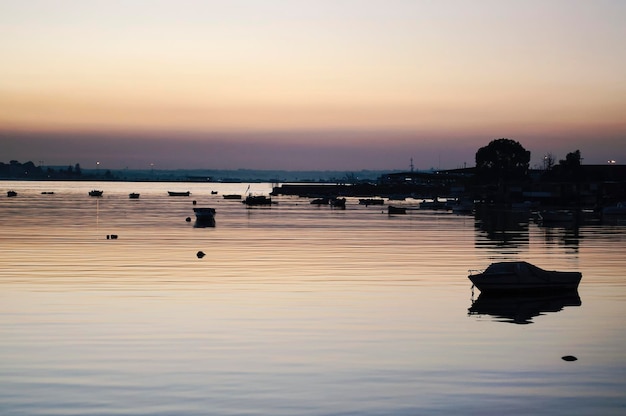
(298, 85)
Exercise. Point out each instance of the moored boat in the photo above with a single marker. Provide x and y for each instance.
(133, 195)
(95, 192)
(11, 194)
(521, 276)
(253, 200)
(338, 203)
(176, 193)
(371, 201)
(231, 196)
(435, 204)
(205, 215)
(320, 201)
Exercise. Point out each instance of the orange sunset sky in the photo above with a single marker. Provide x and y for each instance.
(324, 84)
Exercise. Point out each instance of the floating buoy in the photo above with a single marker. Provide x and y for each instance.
(569, 358)
(188, 219)
(194, 202)
(200, 254)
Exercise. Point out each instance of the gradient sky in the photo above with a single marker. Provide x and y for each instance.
(324, 84)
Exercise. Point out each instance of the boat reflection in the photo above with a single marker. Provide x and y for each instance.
(520, 309)
(204, 223)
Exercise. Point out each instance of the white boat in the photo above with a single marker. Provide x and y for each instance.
(521, 276)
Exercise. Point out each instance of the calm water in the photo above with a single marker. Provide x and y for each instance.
(295, 310)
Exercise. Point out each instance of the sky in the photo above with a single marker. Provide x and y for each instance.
(301, 85)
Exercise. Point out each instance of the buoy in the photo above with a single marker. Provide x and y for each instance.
(188, 219)
(569, 358)
(200, 254)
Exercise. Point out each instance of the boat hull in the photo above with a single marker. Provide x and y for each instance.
(205, 216)
(523, 277)
(257, 200)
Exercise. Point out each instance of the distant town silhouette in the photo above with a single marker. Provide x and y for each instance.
(501, 176)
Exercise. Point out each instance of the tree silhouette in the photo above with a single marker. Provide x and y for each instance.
(502, 159)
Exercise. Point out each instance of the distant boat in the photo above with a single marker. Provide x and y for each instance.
(205, 216)
(521, 276)
(333, 202)
(338, 202)
(47, 193)
(95, 192)
(320, 201)
(11, 194)
(213, 192)
(133, 195)
(371, 201)
(174, 193)
(255, 200)
(232, 196)
(392, 210)
(433, 204)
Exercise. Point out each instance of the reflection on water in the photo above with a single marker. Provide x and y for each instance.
(293, 310)
(504, 226)
(521, 308)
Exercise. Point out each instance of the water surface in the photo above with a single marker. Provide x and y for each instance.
(295, 309)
